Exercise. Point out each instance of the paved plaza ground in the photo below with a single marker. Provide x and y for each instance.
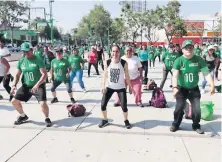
(81, 140)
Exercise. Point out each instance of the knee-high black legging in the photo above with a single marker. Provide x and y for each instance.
(108, 94)
(145, 67)
(6, 82)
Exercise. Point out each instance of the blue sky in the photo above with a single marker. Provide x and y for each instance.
(69, 13)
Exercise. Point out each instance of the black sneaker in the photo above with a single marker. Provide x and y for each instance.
(73, 100)
(140, 105)
(48, 122)
(10, 98)
(127, 124)
(199, 131)
(103, 123)
(54, 100)
(173, 128)
(21, 120)
(116, 104)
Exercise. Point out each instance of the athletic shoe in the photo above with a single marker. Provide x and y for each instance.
(199, 131)
(127, 124)
(72, 100)
(84, 90)
(173, 128)
(54, 100)
(21, 120)
(48, 122)
(116, 104)
(103, 123)
(140, 105)
(203, 91)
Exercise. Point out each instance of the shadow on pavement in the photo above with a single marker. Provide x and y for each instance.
(149, 124)
(7, 107)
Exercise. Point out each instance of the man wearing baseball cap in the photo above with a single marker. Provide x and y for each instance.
(66, 53)
(185, 85)
(34, 72)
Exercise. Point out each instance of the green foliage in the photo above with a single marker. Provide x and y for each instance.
(132, 22)
(11, 13)
(169, 20)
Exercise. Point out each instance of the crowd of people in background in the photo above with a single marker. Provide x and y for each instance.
(127, 67)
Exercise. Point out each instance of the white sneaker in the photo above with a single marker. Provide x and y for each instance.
(203, 91)
(84, 90)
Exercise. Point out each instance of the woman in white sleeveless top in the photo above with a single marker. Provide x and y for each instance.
(5, 75)
(115, 73)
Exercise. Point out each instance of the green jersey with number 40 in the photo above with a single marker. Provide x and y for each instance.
(60, 69)
(189, 70)
(31, 69)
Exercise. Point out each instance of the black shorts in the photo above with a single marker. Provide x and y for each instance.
(24, 93)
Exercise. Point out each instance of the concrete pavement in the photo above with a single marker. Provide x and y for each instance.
(80, 139)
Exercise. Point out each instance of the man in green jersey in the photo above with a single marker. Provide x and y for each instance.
(197, 51)
(168, 59)
(157, 53)
(60, 69)
(185, 85)
(82, 51)
(66, 53)
(34, 72)
(38, 52)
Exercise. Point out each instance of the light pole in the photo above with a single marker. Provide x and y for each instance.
(51, 21)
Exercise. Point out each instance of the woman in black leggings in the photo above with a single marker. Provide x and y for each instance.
(113, 81)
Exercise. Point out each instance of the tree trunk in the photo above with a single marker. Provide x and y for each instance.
(12, 36)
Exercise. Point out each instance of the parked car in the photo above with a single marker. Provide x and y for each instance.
(17, 49)
(10, 48)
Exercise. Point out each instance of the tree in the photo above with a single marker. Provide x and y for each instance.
(99, 20)
(56, 33)
(169, 20)
(12, 12)
(150, 24)
(116, 30)
(39, 29)
(197, 29)
(132, 21)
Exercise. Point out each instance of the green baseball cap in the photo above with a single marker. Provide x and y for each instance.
(26, 46)
(187, 42)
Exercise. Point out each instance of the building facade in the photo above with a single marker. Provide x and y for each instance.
(136, 6)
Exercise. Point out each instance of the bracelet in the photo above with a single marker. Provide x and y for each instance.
(175, 87)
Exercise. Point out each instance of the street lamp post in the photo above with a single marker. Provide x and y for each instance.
(51, 21)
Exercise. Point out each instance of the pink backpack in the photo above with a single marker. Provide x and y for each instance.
(158, 99)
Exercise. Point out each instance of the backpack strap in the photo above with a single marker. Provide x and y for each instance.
(108, 62)
(122, 62)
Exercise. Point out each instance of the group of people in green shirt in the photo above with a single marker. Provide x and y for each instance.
(64, 67)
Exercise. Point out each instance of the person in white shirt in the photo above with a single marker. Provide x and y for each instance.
(114, 74)
(135, 74)
(5, 75)
(4, 52)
